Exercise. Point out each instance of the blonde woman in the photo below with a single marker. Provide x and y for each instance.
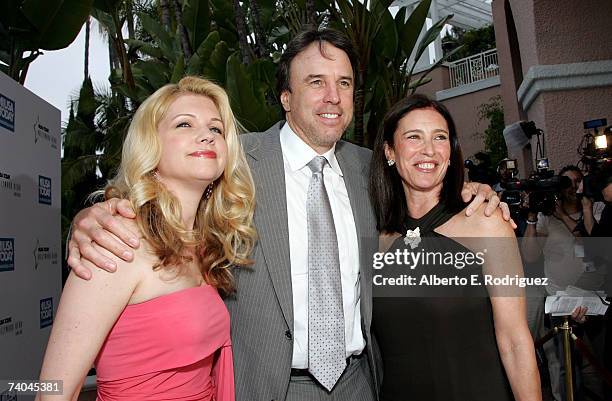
(157, 327)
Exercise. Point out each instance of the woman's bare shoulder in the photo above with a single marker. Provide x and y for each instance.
(481, 225)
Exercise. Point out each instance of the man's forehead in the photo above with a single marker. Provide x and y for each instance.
(318, 57)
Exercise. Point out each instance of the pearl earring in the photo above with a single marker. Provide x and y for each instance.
(390, 162)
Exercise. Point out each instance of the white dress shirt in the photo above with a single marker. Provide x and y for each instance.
(296, 155)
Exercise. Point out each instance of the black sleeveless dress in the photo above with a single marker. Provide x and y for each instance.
(437, 342)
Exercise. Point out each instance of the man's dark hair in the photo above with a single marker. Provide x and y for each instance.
(304, 39)
(386, 188)
(570, 167)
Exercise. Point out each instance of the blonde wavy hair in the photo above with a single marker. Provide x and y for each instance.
(223, 234)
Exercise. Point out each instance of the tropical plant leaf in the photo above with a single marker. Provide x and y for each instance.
(179, 70)
(73, 170)
(196, 17)
(9, 13)
(106, 20)
(410, 30)
(264, 71)
(223, 15)
(57, 22)
(247, 97)
(107, 6)
(154, 72)
(279, 33)
(144, 47)
(431, 35)
(386, 40)
(87, 104)
(15, 26)
(216, 68)
(202, 55)
(267, 12)
(157, 31)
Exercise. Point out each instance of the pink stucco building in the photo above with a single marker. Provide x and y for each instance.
(555, 60)
(552, 65)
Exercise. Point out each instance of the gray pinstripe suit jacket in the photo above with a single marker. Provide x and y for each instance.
(262, 308)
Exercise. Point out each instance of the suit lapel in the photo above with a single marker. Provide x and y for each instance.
(271, 215)
(355, 179)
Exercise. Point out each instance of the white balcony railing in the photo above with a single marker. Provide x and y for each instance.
(474, 68)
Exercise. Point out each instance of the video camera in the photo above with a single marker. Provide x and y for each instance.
(542, 187)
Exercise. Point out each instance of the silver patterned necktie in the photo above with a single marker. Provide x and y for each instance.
(326, 349)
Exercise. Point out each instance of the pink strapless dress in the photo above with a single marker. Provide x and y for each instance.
(173, 347)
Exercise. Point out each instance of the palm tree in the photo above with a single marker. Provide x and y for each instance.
(311, 12)
(261, 48)
(108, 14)
(86, 58)
(164, 8)
(245, 50)
(185, 45)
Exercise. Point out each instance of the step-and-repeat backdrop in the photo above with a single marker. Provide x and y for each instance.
(30, 233)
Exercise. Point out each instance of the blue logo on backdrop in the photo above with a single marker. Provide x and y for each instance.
(46, 312)
(7, 113)
(7, 254)
(44, 190)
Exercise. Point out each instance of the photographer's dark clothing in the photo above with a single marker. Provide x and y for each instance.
(597, 247)
(604, 227)
(600, 250)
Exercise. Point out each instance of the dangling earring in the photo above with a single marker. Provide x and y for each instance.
(449, 163)
(209, 190)
(390, 162)
(156, 175)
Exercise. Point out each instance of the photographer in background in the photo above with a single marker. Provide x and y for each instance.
(558, 237)
(603, 228)
(599, 250)
(480, 169)
(507, 178)
(505, 173)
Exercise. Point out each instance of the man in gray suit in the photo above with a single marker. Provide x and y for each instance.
(287, 344)
(270, 312)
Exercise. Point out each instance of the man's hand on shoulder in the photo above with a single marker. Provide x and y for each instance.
(104, 224)
(478, 194)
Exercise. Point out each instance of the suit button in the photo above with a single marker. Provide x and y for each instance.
(288, 335)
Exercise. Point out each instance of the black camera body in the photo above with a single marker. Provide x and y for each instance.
(599, 177)
(542, 189)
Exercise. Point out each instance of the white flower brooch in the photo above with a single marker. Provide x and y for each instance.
(413, 238)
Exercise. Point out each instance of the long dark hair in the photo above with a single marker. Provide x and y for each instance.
(386, 189)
